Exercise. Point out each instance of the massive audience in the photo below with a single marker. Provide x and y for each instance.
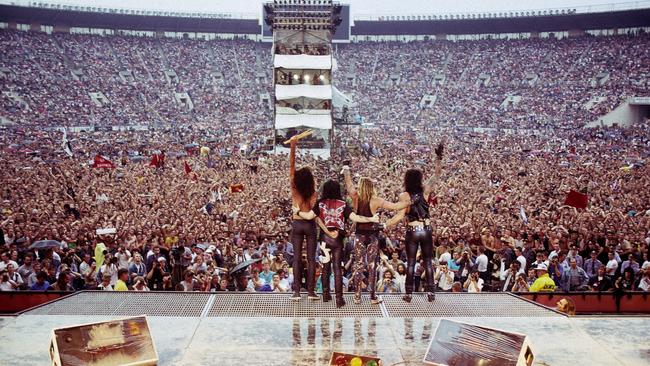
(220, 196)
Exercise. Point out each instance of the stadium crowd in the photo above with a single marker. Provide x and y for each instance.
(220, 198)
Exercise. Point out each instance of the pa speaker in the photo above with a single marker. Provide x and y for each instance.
(115, 342)
(462, 344)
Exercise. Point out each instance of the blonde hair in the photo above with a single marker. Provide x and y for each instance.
(366, 190)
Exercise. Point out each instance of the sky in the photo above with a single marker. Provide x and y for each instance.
(359, 7)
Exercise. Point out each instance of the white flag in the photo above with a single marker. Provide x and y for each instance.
(65, 144)
(522, 213)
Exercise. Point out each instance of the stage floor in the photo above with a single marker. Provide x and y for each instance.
(210, 339)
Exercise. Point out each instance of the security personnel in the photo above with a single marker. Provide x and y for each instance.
(543, 281)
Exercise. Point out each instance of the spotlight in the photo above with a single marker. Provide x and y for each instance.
(322, 78)
(296, 77)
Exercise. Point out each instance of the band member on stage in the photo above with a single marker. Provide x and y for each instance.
(331, 212)
(366, 203)
(418, 231)
(303, 196)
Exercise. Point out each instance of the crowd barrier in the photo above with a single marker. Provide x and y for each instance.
(12, 302)
(596, 302)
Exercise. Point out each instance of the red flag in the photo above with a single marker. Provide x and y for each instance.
(236, 188)
(433, 199)
(154, 161)
(576, 199)
(102, 162)
(188, 169)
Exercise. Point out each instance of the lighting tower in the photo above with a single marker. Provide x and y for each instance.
(302, 69)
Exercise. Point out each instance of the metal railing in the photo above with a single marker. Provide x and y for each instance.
(599, 8)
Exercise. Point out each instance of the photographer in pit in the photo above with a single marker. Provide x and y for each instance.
(387, 283)
(7, 284)
(520, 284)
(444, 277)
(155, 274)
(473, 283)
(465, 263)
(181, 259)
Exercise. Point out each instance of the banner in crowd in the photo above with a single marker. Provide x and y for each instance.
(236, 188)
(576, 199)
(102, 162)
(157, 160)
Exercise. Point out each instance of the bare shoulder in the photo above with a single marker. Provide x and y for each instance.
(404, 196)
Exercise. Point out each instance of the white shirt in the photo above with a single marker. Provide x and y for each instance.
(6, 286)
(645, 265)
(285, 283)
(446, 280)
(522, 260)
(644, 284)
(4, 265)
(611, 267)
(108, 287)
(475, 287)
(123, 259)
(400, 279)
(482, 263)
(445, 257)
(112, 270)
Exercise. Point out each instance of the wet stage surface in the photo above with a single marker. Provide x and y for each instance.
(281, 340)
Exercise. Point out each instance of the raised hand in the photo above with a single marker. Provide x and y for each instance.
(439, 150)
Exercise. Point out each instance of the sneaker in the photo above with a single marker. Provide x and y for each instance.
(295, 296)
(313, 297)
(407, 298)
(375, 300)
(357, 299)
(340, 302)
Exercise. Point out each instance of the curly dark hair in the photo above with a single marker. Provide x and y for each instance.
(332, 190)
(413, 181)
(304, 182)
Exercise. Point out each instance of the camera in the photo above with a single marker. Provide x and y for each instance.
(177, 252)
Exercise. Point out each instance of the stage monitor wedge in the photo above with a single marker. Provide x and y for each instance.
(125, 342)
(462, 344)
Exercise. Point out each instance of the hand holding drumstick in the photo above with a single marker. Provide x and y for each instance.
(299, 136)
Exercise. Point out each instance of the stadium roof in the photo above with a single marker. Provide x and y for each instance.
(469, 23)
(362, 9)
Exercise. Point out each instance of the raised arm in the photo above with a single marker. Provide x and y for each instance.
(292, 161)
(349, 184)
(429, 184)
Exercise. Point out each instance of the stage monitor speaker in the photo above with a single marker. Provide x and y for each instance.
(114, 342)
(462, 344)
(346, 359)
